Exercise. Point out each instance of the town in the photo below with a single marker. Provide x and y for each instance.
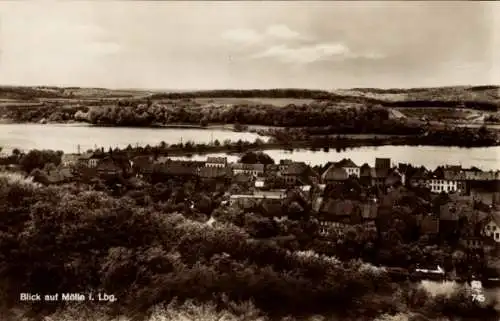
(449, 207)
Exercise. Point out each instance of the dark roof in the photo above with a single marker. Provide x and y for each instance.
(365, 170)
(295, 169)
(379, 172)
(217, 160)
(332, 209)
(214, 172)
(382, 162)
(175, 169)
(393, 177)
(248, 167)
(334, 173)
(346, 162)
(108, 164)
(420, 173)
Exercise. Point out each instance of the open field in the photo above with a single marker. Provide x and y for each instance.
(440, 113)
(278, 102)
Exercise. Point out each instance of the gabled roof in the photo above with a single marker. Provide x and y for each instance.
(337, 209)
(346, 162)
(295, 169)
(334, 173)
(365, 170)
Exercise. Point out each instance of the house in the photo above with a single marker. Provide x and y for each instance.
(246, 200)
(90, 160)
(349, 166)
(216, 162)
(473, 243)
(384, 163)
(336, 215)
(379, 176)
(108, 166)
(334, 175)
(174, 169)
(394, 178)
(250, 169)
(298, 173)
(492, 227)
(488, 196)
(365, 175)
(142, 164)
(283, 165)
(68, 160)
(419, 177)
(213, 173)
(447, 182)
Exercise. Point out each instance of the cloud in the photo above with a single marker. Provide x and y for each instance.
(282, 31)
(242, 36)
(312, 53)
(252, 37)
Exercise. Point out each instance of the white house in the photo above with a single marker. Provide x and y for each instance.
(349, 166)
(492, 228)
(216, 162)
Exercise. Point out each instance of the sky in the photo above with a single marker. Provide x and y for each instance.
(229, 45)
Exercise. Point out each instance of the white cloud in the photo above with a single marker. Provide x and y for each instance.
(242, 36)
(282, 31)
(252, 37)
(312, 53)
(305, 54)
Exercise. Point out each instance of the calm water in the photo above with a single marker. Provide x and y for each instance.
(67, 137)
(487, 158)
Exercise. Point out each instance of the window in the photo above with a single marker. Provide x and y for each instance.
(497, 236)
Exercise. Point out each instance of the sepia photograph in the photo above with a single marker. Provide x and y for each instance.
(249, 160)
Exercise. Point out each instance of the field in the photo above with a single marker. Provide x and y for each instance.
(440, 113)
(278, 102)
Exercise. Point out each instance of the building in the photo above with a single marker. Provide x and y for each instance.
(257, 197)
(68, 160)
(90, 160)
(213, 173)
(383, 163)
(256, 170)
(349, 166)
(216, 162)
(298, 173)
(492, 227)
(334, 175)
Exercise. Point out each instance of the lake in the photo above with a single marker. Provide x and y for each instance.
(67, 137)
(486, 158)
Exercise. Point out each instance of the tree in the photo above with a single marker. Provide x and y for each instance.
(39, 158)
(256, 158)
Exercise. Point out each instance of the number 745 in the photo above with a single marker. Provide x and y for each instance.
(478, 297)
